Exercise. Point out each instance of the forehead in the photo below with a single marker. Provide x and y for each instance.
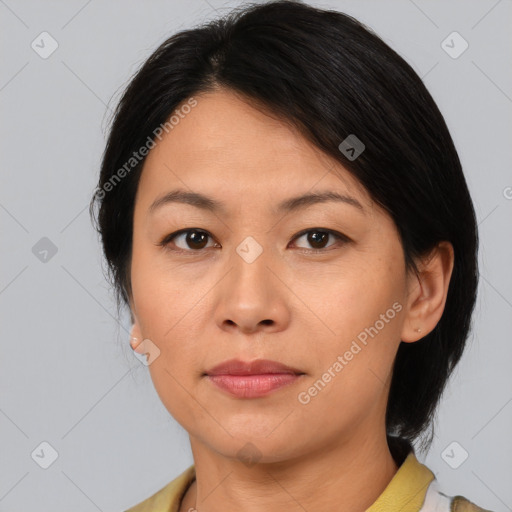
(225, 145)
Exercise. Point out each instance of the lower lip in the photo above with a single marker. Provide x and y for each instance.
(252, 386)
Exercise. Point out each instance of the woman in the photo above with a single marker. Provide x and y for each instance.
(284, 212)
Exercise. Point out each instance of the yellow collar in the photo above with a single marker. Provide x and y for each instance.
(407, 489)
(405, 492)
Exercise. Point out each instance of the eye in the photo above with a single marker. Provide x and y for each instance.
(318, 237)
(193, 240)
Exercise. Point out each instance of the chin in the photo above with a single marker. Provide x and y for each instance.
(251, 447)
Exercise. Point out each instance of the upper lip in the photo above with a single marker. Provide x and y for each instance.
(256, 367)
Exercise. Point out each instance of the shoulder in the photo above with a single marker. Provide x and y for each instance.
(168, 498)
(461, 504)
(417, 485)
(437, 501)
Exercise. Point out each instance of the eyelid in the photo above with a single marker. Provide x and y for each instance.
(344, 239)
(167, 239)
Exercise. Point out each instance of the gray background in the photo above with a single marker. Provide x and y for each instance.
(67, 374)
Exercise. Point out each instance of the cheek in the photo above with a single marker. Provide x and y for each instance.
(353, 368)
(362, 321)
(159, 295)
(167, 312)
(354, 298)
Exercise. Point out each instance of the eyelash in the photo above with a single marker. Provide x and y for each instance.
(168, 239)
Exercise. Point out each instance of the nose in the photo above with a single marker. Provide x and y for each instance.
(252, 298)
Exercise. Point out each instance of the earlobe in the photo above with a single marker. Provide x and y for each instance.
(135, 331)
(428, 298)
(135, 335)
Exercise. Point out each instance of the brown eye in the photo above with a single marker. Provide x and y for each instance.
(188, 239)
(318, 238)
(196, 239)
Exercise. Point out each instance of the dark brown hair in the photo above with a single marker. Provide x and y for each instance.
(330, 76)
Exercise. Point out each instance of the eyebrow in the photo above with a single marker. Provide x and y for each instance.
(289, 205)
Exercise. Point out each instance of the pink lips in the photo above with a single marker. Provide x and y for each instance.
(252, 379)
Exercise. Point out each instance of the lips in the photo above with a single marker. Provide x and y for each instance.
(257, 367)
(252, 379)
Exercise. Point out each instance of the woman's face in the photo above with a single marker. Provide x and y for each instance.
(246, 283)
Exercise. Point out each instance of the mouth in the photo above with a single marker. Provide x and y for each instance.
(252, 379)
(256, 367)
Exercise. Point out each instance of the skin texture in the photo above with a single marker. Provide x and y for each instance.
(302, 309)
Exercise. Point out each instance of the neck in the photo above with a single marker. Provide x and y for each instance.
(345, 476)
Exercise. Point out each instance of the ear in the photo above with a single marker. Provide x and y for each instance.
(427, 292)
(135, 331)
